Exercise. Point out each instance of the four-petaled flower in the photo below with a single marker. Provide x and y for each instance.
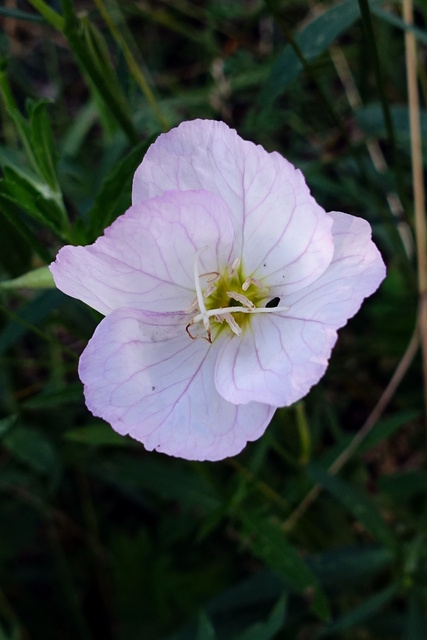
(223, 287)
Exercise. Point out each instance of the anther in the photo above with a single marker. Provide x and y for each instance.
(187, 328)
(234, 266)
(232, 324)
(241, 298)
(210, 289)
(251, 280)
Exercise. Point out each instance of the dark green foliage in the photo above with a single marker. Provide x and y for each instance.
(100, 539)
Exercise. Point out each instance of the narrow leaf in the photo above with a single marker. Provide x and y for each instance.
(98, 435)
(313, 40)
(348, 566)
(92, 55)
(31, 314)
(32, 448)
(266, 630)
(360, 614)
(416, 619)
(114, 197)
(36, 279)
(205, 629)
(357, 503)
(268, 542)
(43, 145)
(11, 211)
(385, 428)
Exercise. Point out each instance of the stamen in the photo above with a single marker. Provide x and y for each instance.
(209, 291)
(203, 315)
(192, 307)
(251, 280)
(232, 324)
(223, 313)
(224, 310)
(188, 331)
(214, 275)
(235, 265)
(241, 298)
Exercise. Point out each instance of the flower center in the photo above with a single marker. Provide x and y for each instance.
(227, 297)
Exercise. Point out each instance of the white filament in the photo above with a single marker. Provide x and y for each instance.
(224, 313)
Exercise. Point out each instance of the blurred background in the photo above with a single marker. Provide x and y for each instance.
(101, 539)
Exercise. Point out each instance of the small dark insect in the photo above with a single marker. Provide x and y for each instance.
(273, 303)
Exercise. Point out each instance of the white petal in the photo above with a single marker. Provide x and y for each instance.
(355, 272)
(277, 360)
(283, 234)
(282, 355)
(145, 259)
(147, 378)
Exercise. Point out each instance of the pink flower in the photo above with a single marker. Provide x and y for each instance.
(223, 287)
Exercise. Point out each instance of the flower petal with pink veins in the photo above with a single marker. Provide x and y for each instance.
(276, 361)
(356, 272)
(284, 235)
(223, 286)
(284, 354)
(145, 376)
(145, 258)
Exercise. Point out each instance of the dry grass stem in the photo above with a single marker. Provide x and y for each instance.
(418, 181)
(372, 419)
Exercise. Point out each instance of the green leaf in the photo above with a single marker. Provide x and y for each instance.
(360, 614)
(404, 486)
(22, 126)
(114, 197)
(49, 398)
(268, 542)
(348, 566)
(20, 15)
(205, 629)
(98, 435)
(11, 210)
(416, 619)
(313, 40)
(31, 313)
(383, 429)
(266, 630)
(43, 146)
(15, 252)
(358, 504)
(33, 197)
(92, 55)
(395, 21)
(165, 478)
(14, 634)
(259, 589)
(31, 447)
(49, 14)
(36, 279)
(7, 423)
(371, 120)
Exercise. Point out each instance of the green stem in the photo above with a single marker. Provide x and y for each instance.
(52, 17)
(336, 120)
(133, 65)
(86, 56)
(12, 108)
(370, 36)
(30, 327)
